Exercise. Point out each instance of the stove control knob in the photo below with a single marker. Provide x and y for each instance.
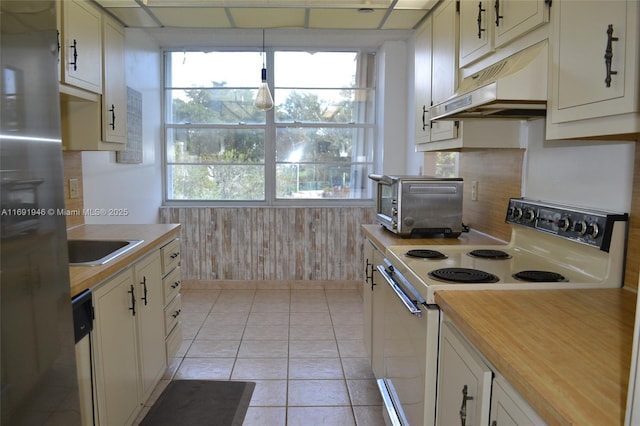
(580, 227)
(564, 224)
(517, 213)
(529, 215)
(394, 211)
(593, 230)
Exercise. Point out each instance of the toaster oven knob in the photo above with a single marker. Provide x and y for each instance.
(564, 224)
(529, 215)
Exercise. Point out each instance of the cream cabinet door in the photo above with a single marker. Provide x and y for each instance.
(444, 64)
(114, 99)
(476, 30)
(422, 83)
(81, 45)
(513, 18)
(373, 310)
(464, 383)
(509, 409)
(150, 318)
(580, 76)
(116, 350)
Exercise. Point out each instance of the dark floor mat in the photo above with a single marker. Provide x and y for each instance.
(201, 402)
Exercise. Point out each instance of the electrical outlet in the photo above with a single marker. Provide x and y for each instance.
(474, 190)
(74, 188)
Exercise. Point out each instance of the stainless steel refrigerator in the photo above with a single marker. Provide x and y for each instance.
(38, 368)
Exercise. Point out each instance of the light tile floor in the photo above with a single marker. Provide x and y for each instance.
(302, 348)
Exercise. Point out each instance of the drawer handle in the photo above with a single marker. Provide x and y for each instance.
(132, 308)
(368, 276)
(112, 110)
(496, 6)
(176, 313)
(144, 290)
(463, 407)
(480, 10)
(74, 46)
(608, 55)
(175, 284)
(174, 255)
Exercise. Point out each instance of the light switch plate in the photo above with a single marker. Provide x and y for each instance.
(74, 188)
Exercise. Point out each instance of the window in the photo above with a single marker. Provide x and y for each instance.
(316, 144)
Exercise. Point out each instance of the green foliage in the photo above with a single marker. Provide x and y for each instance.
(225, 163)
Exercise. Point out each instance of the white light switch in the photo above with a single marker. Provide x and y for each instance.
(474, 190)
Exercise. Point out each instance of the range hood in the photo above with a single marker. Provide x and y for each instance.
(515, 87)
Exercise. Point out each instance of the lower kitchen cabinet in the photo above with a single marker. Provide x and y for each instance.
(471, 392)
(509, 409)
(373, 308)
(464, 383)
(150, 313)
(115, 349)
(129, 340)
(171, 284)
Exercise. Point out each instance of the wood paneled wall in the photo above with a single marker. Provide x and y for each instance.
(632, 269)
(270, 243)
(72, 165)
(499, 176)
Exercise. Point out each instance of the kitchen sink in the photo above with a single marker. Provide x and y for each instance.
(97, 252)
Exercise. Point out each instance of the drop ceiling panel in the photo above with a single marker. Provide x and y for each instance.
(192, 17)
(345, 18)
(268, 17)
(117, 3)
(133, 17)
(403, 19)
(272, 3)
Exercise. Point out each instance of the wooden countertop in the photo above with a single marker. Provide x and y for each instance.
(567, 352)
(84, 277)
(383, 238)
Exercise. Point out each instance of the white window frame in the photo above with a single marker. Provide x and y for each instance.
(270, 144)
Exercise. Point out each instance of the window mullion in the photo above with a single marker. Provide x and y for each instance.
(270, 137)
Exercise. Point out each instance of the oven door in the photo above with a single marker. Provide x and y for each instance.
(408, 387)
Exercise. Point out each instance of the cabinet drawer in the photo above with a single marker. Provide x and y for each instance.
(171, 285)
(173, 342)
(171, 314)
(170, 256)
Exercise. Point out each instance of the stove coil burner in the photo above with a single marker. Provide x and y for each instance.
(463, 275)
(539, 276)
(490, 254)
(426, 254)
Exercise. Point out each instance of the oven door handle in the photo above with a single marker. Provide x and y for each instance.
(391, 403)
(406, 300)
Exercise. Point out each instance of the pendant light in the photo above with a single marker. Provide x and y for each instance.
(264, 100)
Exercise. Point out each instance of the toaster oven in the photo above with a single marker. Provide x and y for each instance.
(419, 205)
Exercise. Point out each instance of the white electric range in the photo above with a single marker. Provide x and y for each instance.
(552, 246)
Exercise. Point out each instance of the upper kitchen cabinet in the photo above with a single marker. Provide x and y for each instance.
(114, 98)
(422, 83)
(94, 114)
(437, 48)
(595, 70)
(487, 25)
(81, 45)
(444, 64)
